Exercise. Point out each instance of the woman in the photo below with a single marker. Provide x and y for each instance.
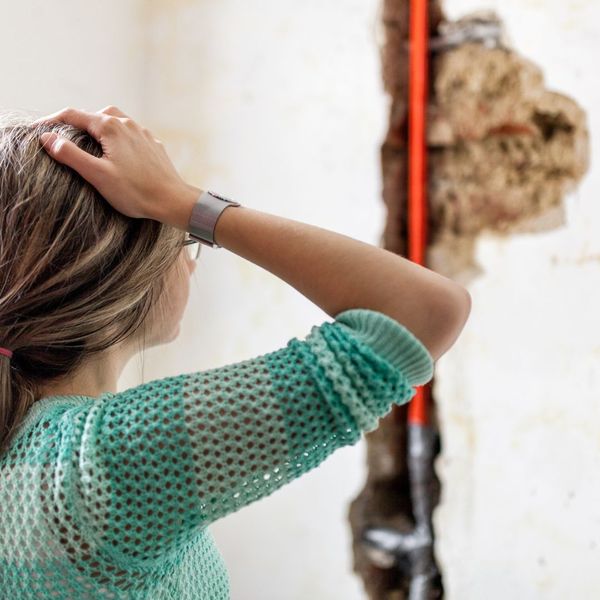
(109, 494)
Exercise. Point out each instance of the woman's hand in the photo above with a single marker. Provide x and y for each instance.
(135, 174)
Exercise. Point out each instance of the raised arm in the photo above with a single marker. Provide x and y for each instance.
(337, 272)
(332, 270)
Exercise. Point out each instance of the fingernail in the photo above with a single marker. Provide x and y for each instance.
(48, 139)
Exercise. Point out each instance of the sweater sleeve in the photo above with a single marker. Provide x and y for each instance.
(163, 459)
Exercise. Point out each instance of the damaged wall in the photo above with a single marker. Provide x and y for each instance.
(505, 153)
(517, 398)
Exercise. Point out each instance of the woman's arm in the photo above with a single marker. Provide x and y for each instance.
(337, 272)
(141, 472)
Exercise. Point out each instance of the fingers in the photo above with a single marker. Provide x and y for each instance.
(91, 122)
(68, 153)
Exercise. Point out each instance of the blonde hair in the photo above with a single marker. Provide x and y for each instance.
(76, 275)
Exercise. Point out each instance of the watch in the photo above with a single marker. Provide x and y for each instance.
(205, 214)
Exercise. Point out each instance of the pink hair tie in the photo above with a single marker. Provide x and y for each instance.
(6, 352)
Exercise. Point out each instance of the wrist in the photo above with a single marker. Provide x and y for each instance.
(177, 207)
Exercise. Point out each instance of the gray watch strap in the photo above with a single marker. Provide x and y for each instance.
(205, 214)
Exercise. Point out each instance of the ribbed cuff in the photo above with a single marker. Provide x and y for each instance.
(393, 341)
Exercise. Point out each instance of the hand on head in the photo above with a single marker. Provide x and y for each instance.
(135, 174)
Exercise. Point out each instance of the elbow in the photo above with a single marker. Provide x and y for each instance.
(449, 318)
(462, 308)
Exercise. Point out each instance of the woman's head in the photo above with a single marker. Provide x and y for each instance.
(76, 276)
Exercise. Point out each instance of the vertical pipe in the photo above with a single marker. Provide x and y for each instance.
(417, 162)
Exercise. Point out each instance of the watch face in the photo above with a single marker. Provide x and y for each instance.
(220, 197)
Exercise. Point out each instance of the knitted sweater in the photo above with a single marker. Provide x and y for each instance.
(111, 497)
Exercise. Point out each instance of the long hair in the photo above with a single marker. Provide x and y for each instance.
(76, 275)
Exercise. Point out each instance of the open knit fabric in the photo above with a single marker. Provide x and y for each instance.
(111, 497)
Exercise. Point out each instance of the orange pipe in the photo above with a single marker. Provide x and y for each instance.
(417, 162)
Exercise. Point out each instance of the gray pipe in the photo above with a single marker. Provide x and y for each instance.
(388, 547)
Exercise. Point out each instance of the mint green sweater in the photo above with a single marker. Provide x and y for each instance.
(111, 497)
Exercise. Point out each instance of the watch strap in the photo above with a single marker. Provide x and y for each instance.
(204, 217)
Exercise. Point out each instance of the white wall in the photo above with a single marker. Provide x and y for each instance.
(519, 393)
(280, 105)
(56, 54)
